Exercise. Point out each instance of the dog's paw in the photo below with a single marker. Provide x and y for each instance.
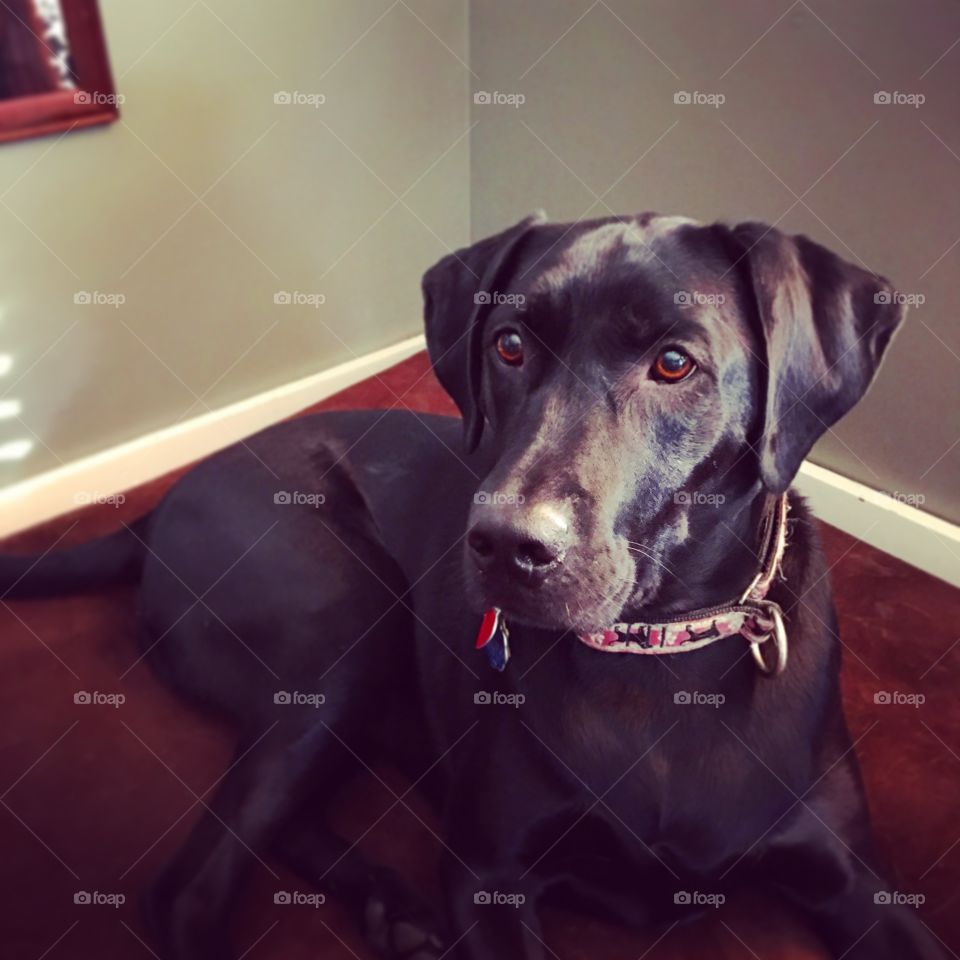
(405, 934)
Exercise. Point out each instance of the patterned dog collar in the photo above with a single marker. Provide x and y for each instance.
(753, 616)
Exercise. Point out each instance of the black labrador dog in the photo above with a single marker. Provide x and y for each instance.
(637, 396)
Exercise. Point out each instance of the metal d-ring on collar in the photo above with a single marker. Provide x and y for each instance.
(779, 635)
(775, 543)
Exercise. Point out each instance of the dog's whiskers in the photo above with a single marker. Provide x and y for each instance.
(639, 548)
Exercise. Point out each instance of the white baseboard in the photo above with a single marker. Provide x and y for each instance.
(109, 472)
(916, 537)
(876, 518)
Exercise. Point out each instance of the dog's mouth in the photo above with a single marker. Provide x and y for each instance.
(557, 611)
(585, 589)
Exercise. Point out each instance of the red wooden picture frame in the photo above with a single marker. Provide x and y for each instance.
(93, 101)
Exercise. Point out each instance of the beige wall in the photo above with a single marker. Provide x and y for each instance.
(293, 199)
(303, 199)
(600, 133)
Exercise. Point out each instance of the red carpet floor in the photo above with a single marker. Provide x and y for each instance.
(94, 798)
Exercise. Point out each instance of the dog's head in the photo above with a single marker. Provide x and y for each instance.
(638, 383)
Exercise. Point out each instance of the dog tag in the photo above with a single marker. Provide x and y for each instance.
(493, 638)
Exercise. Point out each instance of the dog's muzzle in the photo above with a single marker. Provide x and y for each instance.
(753, 617)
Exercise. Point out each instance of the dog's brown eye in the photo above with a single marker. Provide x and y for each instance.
(672, 365)
(510, 347)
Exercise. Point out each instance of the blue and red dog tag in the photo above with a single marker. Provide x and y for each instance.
(494, 638)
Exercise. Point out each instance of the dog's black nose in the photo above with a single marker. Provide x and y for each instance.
(528, 540)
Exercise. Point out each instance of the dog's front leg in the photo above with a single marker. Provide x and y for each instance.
(823, 861)
(492, 911)
(852, 908)
(491, 893)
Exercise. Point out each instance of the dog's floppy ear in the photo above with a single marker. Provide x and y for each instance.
(457, 293)
(826, 324)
